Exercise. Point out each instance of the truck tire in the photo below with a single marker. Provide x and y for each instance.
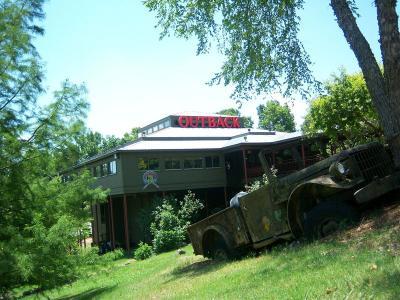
(327, 217)
(219, 251)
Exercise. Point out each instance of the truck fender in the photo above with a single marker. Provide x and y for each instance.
(211, 233)
(307, 195)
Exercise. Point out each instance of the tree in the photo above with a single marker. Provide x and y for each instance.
(263, 53)
(91, 142)
(275, 117)
(344, 112)
(247, 121)
(40, 214)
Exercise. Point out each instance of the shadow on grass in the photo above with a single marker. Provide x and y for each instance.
(89, 294)
(197, 268)
(387, 283)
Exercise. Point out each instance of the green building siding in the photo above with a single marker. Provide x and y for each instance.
(171, 180)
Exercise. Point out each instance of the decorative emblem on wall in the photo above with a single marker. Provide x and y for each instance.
(150, 178)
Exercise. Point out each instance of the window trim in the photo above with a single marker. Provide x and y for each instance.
(146, 160)
(171, 159)
(193, 159)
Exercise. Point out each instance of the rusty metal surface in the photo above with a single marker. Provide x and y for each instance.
(377, 188)
(227, 222)
(264, 217)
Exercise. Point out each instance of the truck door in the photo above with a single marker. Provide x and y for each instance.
(264, 218)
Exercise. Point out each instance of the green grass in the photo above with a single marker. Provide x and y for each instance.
(362, 263)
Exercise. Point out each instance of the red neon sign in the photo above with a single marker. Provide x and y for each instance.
(208, 122)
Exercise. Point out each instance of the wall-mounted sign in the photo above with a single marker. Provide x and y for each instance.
(208, 122)
(150, 178)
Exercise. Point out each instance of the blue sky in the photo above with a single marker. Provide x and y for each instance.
(133, 78)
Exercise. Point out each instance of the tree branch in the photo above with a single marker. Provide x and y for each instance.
(14, 95)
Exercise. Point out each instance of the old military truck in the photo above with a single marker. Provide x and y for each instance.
(311, 202)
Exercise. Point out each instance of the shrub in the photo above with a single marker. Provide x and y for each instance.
(171, 219)
(189, 211)
(112, 255)
(166, 229)
(144, 251)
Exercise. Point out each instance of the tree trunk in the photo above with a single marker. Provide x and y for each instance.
(390, 49)
(384, 88)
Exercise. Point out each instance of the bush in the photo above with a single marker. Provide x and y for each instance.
(190, 208)
(144, 251)
(112, 255)
(171, 220)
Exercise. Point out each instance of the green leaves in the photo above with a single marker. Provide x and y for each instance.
(276, 117)
(171, 219)
(258, 39)
(345, 112)
(40, 215)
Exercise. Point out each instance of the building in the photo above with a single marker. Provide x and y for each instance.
(213, 156)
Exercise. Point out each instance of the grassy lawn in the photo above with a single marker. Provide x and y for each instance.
(361, 263)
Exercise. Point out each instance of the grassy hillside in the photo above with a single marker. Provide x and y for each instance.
(361, 263)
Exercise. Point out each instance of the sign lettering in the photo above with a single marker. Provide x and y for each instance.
(208, 122)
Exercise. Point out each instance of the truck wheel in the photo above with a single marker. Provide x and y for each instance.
(327, 217)
(220, 251)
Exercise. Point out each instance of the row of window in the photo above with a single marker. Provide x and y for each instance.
(176, 164)
(158, 127)
(105, 169)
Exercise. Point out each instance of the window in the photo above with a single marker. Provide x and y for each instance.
(194, 163)
(103, 210)
(167, 123)
(113, 167)
(212, 161)
(104, 169)
(155, 128)
(161, 126)
(97, 171)
(172, 164)
(148, 164)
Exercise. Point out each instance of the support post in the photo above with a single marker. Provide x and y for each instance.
(206, 202)
(273, 159)
(226, 197)
(245, 166)
(97, 208)
(126, 225)
(303, 155)
(112, 225)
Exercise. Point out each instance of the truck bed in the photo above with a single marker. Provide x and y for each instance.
(228, 223)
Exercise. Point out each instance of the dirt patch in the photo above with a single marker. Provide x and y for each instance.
(388, 216)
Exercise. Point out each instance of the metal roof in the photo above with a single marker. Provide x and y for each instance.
(175, 138)
(191, 139)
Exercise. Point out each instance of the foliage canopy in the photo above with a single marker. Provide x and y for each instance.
(276, 117)
(40, 215)
(345, 112)
(258, 39)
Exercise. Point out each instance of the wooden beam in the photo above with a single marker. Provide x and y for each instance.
(303, 155)
(112, 224)
(245, 166)
(97, 208)
(226, 197)
(126, 225)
